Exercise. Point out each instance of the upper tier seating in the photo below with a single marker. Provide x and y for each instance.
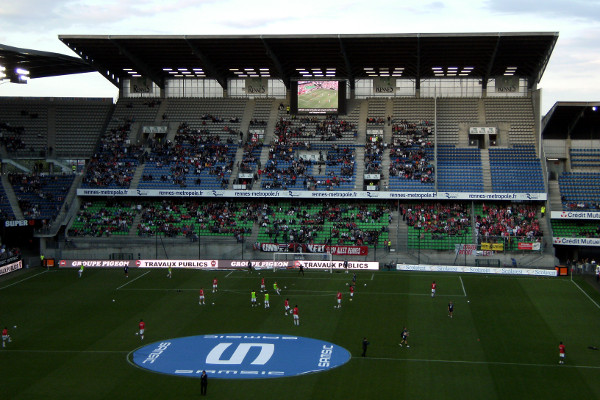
(459, 169)
(40, 196)
(580, 190)
(516, 170)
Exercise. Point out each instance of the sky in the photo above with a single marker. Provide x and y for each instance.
(571, 74)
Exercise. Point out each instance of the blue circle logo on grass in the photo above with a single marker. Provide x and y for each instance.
(240, 356)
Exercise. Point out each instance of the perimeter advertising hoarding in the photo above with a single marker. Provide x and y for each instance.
(310, 194)
(476, 270)
(8, 268)
(217, 264)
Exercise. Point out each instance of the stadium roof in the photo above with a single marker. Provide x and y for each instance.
(572, 119)
(287, 57)
(40, 64)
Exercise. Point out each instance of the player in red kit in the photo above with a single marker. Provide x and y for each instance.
(296, 316)
(339, 299)
(215, 283)
(351, 292)
(561, 353)
(286, 306)
(201, 297)
(433, 287)
(142, 327)
(262, 285)
(5, 337)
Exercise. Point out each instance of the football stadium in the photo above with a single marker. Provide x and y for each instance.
(299, 217)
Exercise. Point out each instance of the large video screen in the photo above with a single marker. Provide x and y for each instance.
(318, 96)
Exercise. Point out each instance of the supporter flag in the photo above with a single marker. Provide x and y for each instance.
(256, 86)
(384, 85)
(507, 83)
(140, 85)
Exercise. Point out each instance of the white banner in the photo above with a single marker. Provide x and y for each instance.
(309, 194)
(570, 241)
(7, 269)
(482, 130)
(476, 270)
(154, 129)
(192, 264)
(372, 176)
(574, 215)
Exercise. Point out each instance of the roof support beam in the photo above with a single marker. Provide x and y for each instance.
(104, 71)
(418, 72)
(347, 62)
(207, 64)
(541, 67)
(284, 77)
(488, 72)
(140, 66)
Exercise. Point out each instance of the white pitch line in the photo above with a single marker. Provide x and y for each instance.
(22, 280)
(587, 295)
(127, 283)
(228, 274)
(308, 292)
(67, 351)
(372, 276)
(463, 285)
(480, 362)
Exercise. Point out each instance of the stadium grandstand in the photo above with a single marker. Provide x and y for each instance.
(412, 148)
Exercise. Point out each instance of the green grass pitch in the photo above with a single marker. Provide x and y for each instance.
(72, 341)
(319, 98)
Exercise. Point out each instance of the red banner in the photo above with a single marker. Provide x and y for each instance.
(528, 246)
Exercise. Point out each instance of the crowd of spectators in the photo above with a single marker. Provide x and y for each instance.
(115, 161)
(10, 137)
(580, 205)
(191, 152)
(39, 196)
(326, 223)
(329, 129)
(374, 154)
(113, 216)
(439, 219)
(189, 218)
(513, 220)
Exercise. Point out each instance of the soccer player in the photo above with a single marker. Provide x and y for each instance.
(249, 266)
(301, 269)
(5, 337)
(126, 270)
(351, 292)
(450, 309)
(215, 284)
(404, 337)
(433, 287)
(276, 288)
(253, 298)
(262, 285)
(267, 300)
(201, 296)
(346, 265)
(561, 352)
(169, 272)
(354, 279)
(339, 299)
(365, 343)
(142, 328)
(286, 306)
(80, 272)
(296, 316)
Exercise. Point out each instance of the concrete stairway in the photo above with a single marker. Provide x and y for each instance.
(486, 170)
(12, 197)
